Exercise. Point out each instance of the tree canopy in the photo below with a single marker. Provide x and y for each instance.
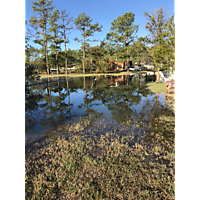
(83, 24)
(49, 27)
(123, 31)
(161, 35)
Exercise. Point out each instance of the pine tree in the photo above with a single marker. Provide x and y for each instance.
(27, 46)
(55, 38)
(65, 26)
(83, 24)
(123, 31)
(157, 23)
(39, 23)
(171, 42)
(27, 51)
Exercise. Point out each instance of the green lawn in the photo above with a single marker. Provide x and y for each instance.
(157, 87)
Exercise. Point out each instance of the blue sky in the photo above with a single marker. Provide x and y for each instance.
(104, 12)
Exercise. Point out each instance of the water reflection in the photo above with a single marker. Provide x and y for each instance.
(96, 105)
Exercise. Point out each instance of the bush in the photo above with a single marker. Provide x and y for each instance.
(103, 66)
(29, 72)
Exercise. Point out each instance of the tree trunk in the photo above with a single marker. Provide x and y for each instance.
(48, 68)
(84, 82)
(127, 80)
(45, 51)
(157, 100)
(127, 55)
(65, 52)
(57, 63)
(66, 64)
(86, 100)
(140, 80)
(84, 55)
(158, 75)
(68, 92)
(127, 61)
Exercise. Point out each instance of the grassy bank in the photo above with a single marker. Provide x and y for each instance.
(157, 87)
(115, 73)
(161, 88)
(107, 167)
(82, 75)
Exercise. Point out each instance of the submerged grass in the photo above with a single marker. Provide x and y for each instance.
(105, 167)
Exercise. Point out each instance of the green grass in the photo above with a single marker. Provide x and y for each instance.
(113, 73)
(157, 87)
(82, 75)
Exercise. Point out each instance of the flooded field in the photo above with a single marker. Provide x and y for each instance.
(118, 104)
(94, 119)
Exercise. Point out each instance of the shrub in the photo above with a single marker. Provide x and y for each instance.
(29, 72)
(103, 66)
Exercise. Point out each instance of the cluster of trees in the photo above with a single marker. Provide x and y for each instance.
(51, 27)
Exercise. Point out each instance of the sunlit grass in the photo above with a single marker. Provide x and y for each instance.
(157, 87)
(107, 167)
(82, 75)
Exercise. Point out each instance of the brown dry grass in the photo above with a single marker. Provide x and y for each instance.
(104, 168)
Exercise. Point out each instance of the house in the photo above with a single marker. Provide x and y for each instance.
(118, 66)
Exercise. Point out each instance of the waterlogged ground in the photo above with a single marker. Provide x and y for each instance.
(98, 138)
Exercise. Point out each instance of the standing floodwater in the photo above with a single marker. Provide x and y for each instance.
(93, 105)
(104, 137)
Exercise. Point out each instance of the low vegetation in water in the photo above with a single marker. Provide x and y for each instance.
(103, 167)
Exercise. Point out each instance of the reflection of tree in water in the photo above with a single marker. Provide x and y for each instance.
(30, 122)
(32, 99)
(90, 114)
(57, 110)
(100, 82)
(49, 100)
(121, 100)
(160, 121)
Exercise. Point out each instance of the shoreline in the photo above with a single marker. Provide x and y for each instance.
(93, 74)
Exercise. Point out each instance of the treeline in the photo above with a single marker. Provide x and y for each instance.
(50, 27)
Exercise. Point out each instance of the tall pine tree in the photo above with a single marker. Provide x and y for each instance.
(65, 27)
(171, 42)
(39, 23)
(123, 31)
(83, 24)
(55, 38)
(157, 22)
